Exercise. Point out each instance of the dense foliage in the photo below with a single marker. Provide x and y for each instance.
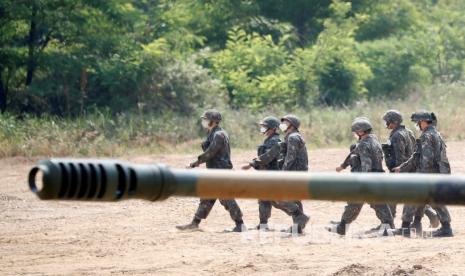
(69, 57)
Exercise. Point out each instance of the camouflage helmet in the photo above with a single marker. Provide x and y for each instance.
(361, 124)
(392, 116)
(294, 120)
(270, 122)
(212, 115)
(423, 115)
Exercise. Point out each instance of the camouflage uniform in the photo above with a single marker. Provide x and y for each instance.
(367, 156)
(429, 157)
(267, 159)
(397, 150)
(217, 155)
(295, 156)
(294, 153)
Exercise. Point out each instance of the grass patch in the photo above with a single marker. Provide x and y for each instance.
(101, 134)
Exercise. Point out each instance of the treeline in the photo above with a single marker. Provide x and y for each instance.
(70, 57)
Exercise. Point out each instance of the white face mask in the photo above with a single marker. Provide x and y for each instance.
(283, 127)
(205, 123)
(263, 129)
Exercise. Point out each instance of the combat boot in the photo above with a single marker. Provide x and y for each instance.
(338, 227)
(262, 226)
(432, 216)
(240, 226)
(341, 228)
(191, 226)
(376, 228)
(404, 230)
(444, 231)
(300, 221)
(417, 226)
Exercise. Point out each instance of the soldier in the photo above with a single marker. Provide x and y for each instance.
(293, 150)
(216, 155)
(397, 150)
(430, 157)
(267, 159)
(366, 156)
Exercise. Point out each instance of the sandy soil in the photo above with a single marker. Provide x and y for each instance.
(139, 237)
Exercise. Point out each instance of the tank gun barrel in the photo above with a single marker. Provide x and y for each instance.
(112, 180)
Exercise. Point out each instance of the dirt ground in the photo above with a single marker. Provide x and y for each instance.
(139, 237)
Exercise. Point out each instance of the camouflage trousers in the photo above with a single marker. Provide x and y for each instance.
(410, 211)
(392, 208)
(206, 205)
(352, 210)
(292, 208)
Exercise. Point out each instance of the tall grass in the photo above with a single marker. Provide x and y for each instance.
(100, 134)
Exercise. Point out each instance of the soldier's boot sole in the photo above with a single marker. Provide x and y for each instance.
(190, 226)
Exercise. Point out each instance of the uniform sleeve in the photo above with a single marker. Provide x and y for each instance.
(365, 160)
(293, 145)
(412, 163)
(398, 148)
(270, 155)
(346, 163)
(216, 144)
(427, 152)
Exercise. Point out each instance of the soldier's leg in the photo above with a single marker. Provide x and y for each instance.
(235, 213)
(264, 211)
(351, 212)
(233, 208)
(288, 207)
(393, 208)
(301, 207)
(411, 211)
(205, 206)
(444, 218)
(293, 209)
(432, 216)
(383, 212)
(443, 213)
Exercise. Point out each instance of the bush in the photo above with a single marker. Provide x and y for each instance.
(340, 74)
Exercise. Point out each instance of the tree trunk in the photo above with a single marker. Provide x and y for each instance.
(300, 26)
(30, 42)
(83, 89)
(3, 92)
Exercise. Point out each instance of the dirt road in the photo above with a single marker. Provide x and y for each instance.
(139, 237)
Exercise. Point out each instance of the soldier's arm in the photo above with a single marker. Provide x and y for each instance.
(427, 152)
(267, 157)
(413, 162)
(291, 154)
(365, 160)
(398, 149)
(346, 163)
(211, 151)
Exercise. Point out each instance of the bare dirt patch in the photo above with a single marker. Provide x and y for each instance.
(139, 237)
